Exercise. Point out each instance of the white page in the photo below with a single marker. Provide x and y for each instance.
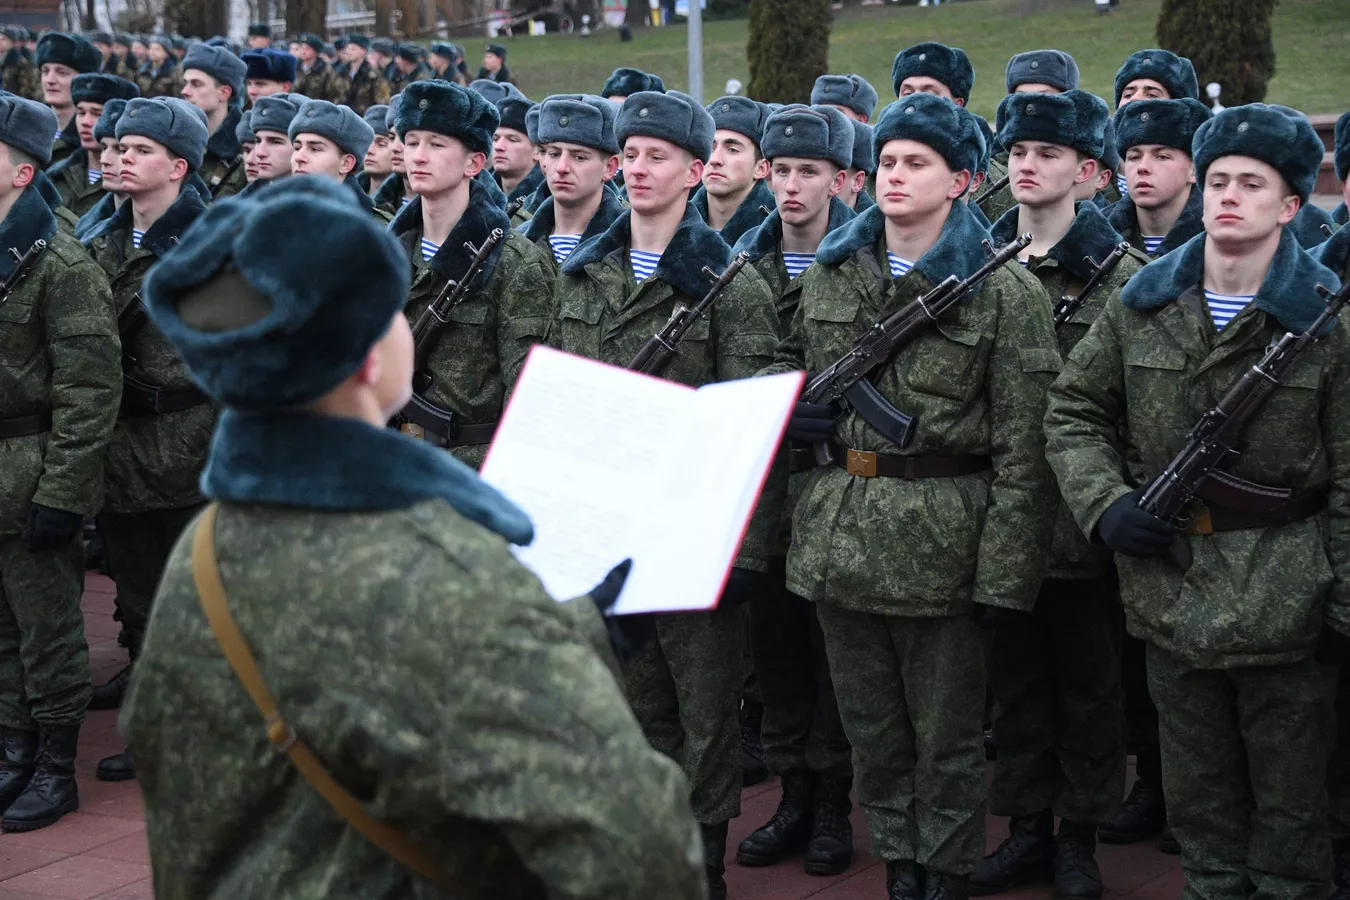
(612, 465)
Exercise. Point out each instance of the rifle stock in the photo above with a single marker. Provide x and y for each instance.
(22, 263)
(1067, 306)
(660, 351)
(434, 319)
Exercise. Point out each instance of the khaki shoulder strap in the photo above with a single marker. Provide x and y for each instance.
(211, 591)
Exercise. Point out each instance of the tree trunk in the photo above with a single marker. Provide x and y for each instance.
(1228, 41)
(788, 48)
(306, 15)
(90, 18)
(197, 18)
(383, 17)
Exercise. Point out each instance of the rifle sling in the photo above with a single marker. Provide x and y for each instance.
(445, 425)
(140, 399)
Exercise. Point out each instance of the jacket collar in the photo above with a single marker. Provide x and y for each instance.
(100, 211)
(223, 145)
(759, 242)
(162, 235)
(694, 246)
(170, 63)
(390, 192)
(537, 228)
(1288, 293)
(749, 215)
(1124, 219)
(1340, 215)
(366, 201)
(865, 202)
(452, 260)
(488, 182)
(30, 219)
(528, 185)
(1089, 235)
(959, 249)
(1307, 225)
(322, 462)
(1335, 251)
(76, 160)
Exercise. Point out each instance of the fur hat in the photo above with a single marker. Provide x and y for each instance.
(243, 131)
(376, 116)
(864, 147)
(990, 142)
(382, 45)
(448, 109)
(123, 39)
(587, 121)
(71, 50)
(1053, 67)
(949, 65)
(497, 50)
(174, 123)
(99, 37)
(94, 87)
(739, 114)
(409, 53)
(27, 126)
(256, 330)
(532, 124)
(1342, 151)
(1277, 135)
(1074, 119)
(275, 113)
(851, 91)
(269, 65)
(1170, 123)
(1163, 66)
(936, 122)
(312, 41)
(809, 132)
(512, 112)
(1110, 156)
(496, 91)
(359, 39)
(106, 126)
(220, 64)
(392, 114)
(671, 116)
(340, 124)
(625, 82)
(260, 29)
(441, 48)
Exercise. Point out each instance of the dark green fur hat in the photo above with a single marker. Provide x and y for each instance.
(72, 50)
(1074, 119)
(671, 116)
(936, 122)
(94, 87)
(447, 109)
(809, 132)
(1342, 152)
(1163, 66)
(106, 126)
(1169, 123)
(949, 65)
(340, 124)
(739, 114)
(1277, 135)
(864, 147)
(851, 91)
(626, 82)
(1053, 67)
(588, 121)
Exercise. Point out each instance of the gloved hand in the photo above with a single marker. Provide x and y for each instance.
(1126, 528)
(50, 529)
(1333, 648)
(744, 585)
(627, 634)
(812, 423)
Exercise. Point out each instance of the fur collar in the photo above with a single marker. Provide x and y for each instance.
(866, 201)
(452, 260)
(76, 160)
(540, 226)
(390, 192)
(1123, 218)
(1340, 215)
(528, 185)
(747, 217)
(1088, 235)
(258, 184)
(494, 190)
(1288, 293)
(959, 249)
(161, 236)
(170, 63)
(760, 242)
(47, 190)
(366, 201)
(30, 219)
(101, 210)
(1307, 225)
(322, 462)
(223, 145)
(1335, 251)
(694, 246)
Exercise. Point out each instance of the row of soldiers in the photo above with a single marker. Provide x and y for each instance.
(870, 584)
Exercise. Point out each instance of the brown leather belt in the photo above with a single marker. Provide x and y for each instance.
(140, 400)
(865, 464)
(23, 426)
(1230, 503)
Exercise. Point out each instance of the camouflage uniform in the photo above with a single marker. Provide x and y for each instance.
(167, 81)
(900, 628)
(58, 359)
(398, 81)
(1125, 220)
(1245, 718)
(320, 82)
(222, 165)
(21, 76)
(749, 215)
(66, 143)
(71, 177)
(366, 88)
(999, 202)
(540, 225)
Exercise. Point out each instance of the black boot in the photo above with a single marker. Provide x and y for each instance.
(831, 848)
(714, 859)
(117, 767)
(753, 770)
(941, 886)
(788, 832)
(1142, 816)
(18, 752)
(109, 694)
(1026, 857)
(1076, 874)
(1167, 842)
(904, 880)
(1340, 851)
(51, 792)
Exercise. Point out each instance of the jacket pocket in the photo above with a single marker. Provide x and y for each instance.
(948, 362)
(19, 338)
(1154, 383)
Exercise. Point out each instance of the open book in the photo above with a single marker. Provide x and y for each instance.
(611, 465)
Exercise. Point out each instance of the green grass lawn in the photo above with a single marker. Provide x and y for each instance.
(1313, 69)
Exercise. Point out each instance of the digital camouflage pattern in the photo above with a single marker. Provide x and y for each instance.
(366, 88)
(136, 547)
(320, 82)
(167, 81)
(66, 143)
(435, 679)
(999, 202)
(398, 81)
(222, 167)
(19, 75)
(72, 183)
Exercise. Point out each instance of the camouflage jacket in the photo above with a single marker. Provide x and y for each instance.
(223, 164)
(479, 355)
(604, 313)
(539, 226)
(398, 81)
(116, 65)
(975, 383)
(1335, 253)
(59, 355)
(320, 83)
(365, 88)
(1062, 272)
(426, 668)
(66, 143)
(999, 202)
(1123, 217)
(153, 460)
(389, 195)
(20, 76)
(66, 220)
(752, 212)
(1149, 368)
(71, 177)
(167, 81)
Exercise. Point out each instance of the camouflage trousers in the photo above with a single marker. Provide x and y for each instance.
(801, 728)
(137, 545)
(1055, 674)
(911, 696)
(685, 689)
(1244, 760)
(1338, 773)
(44, 660)
(1141, 716)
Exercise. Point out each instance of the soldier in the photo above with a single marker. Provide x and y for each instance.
(248, 142)
(179, 47)
(581, 158)
(164, 424)
(1054, 669)
(624, 81)
(20, 76)
(160, 77)
(1153, 74)
(446, 131)
(860, 170)
(122, 50)
(140, 50)
(734, 198)
(60, 387)
(1341, 162)
(850, 94)
(381, 56)
(110, 164)
(933, 68)
(79, 177)
(513, 162)
(809, 150)
(1244, 708)
(60, 57)
(270, 121)
(615, 292)
(366, 86)
(213, 81)
(331, 141)
(378, 164)
(970, 501)
(103, 43)
(506, 782)
(1102, 189)
(259, 36)
(315, 78)
(494, 64)
(408, 62)
(396, 192)
(268, 72)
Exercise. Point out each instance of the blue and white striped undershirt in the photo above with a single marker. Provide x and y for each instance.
(1122, 186)
(644, 263)
(429, 250)
(1223, 307)
(563, 245)
(899, 265)
(1151, 244)
(95, 176)
(797, 263)
(404, 202)
(136, 238)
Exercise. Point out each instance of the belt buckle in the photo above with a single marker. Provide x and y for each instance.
(413, 431)
(1201, 521)
(862, 463)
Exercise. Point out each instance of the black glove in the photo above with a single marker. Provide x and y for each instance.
(50, 529)
(1126, 528)
(991, 617)
(1333, 648)
(812, 423)
(627, 634)
(744, 585)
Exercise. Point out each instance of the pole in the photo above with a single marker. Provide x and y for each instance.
(696, 50)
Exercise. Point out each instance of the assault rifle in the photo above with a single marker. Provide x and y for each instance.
(22, 263)
(1213, 440)
(992, 189)
(661, 348)
(847, 379)
(434, 319)
(1067, 305)
(515, 206)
